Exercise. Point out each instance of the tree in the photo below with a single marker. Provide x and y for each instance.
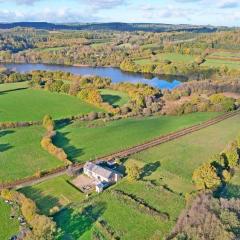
(44, 228)
(232, 157)
(205, 177)
(238, 141)
(48, 123)
(133, 171)
(90, 95)
(199, 60)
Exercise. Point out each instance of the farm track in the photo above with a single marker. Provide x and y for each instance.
(123, 153)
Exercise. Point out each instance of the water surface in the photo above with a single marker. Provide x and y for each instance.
(114, 73)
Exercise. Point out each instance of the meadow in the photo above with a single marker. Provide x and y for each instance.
(30, 104)
(22, 155)
(9, 227)
(55, 192)
(114, 98)
(85, 141)
(222, 62)
(179, 158)
(165, 179)
(78, 217)
(216, 59)
(173, 57)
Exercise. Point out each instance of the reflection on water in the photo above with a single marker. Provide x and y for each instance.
(162, 82)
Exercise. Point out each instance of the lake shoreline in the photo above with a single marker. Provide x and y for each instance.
(115, 74)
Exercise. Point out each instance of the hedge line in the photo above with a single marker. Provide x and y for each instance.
(139, 204)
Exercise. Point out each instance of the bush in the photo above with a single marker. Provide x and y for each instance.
(92, 116)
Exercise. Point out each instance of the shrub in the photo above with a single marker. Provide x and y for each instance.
(92, 116)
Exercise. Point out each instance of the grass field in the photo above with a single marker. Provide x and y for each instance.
(9, 227)
(114, 98)
(226, 54)
(123, 219)
(222, 62)
(180, 58)
(174, 57)
(22, 155)
(54, 192)
(29, 104)
(179, 158)
(12, 86)
(170, 165)
(78, 218)
(83, 143)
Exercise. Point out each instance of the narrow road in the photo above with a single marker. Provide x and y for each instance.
(123, 153)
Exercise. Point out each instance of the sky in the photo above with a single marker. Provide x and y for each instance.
(200, 12)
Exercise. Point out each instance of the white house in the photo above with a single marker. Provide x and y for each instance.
(103, 176)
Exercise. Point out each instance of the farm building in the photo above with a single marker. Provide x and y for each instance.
(103, 176)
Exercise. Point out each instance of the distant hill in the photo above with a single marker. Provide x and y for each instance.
(115, 26)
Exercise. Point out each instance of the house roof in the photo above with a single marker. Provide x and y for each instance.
(103, 172)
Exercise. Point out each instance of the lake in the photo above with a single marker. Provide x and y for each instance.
(114, 73)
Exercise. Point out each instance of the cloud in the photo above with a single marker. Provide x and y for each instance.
(22, 2)
(60, 15)
(168, 12)
(228, 4)
(104, 4)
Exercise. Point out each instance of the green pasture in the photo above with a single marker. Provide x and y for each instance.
(85, 141)
(9, 227)
(21, 154)
(173, 57)
(114, 98)
(30, 104)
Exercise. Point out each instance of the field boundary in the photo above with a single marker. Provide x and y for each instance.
(120, 154)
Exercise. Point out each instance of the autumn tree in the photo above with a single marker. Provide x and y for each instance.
(232, 157)
(205, 177)
(48, 123)
(133, 171)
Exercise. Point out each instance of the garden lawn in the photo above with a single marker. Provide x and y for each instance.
(9, 227)
(179, 158)
(55, 192)
(82, 142)
(114, 98)
(31, 104)
(21, 154)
